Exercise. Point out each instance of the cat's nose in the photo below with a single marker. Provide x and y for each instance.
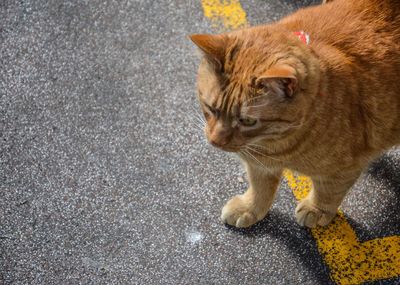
(218, 143)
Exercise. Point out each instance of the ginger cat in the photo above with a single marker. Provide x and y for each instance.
(317, 92)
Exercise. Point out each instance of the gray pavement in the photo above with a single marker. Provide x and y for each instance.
(104, 178)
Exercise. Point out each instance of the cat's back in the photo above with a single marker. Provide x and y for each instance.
(358, 45)
(346, 17)
(368, 30)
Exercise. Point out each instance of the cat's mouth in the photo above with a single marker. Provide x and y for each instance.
(229, 148)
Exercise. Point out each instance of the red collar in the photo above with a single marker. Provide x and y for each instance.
(303, 36)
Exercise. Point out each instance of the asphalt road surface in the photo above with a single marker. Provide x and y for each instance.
(105, 177)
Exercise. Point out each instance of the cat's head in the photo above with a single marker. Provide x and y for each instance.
(252, 87)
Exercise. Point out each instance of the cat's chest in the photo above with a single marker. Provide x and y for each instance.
(300, 163)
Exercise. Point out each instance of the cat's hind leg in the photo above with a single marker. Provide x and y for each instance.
(321, 204)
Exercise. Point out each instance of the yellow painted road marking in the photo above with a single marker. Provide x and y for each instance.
(350, 261)
(225, 14)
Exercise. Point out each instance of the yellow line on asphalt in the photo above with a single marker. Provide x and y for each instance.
(225, 14)
(350, 261)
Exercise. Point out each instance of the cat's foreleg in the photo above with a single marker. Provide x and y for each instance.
(245, 210)
(322, 203)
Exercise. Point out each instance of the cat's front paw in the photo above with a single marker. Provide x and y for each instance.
(310, 216)
(239, 213)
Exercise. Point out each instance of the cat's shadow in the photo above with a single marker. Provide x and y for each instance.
(284, 230)
(388, 171)
(385, 170)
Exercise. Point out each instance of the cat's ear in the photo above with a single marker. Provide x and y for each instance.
(279, 79)
(213, 46)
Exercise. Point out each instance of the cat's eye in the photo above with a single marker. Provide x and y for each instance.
(247, 121)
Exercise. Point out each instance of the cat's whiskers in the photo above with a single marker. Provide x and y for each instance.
(196, 112)
(247, 153)
(197, 116)
(251, 147)
(248, 147)
(194, 121)
(200, 125)
(199, 122)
